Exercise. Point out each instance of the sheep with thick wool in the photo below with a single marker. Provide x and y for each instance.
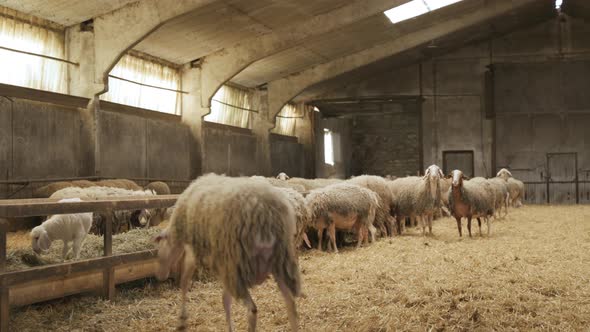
(65, 227)
(383, 219)
(343, 206)
(470, 199)
(417, 197)
(275, 182)
(310, 184)
(502, 196)
(137, 218)
(515, 187)
(243, 230)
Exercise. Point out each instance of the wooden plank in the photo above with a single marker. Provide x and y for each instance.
(13, 278)
(108, 284)
(14, 208)
(4, 309)
(3, 231)
(108, 234)
(85, 282)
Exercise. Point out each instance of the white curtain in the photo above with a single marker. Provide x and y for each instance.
(286, 121)
(145, 72)
(29, 70)
(230, 106)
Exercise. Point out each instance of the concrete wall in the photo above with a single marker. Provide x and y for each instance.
(229, 150)
(453, 88)
(286, 155)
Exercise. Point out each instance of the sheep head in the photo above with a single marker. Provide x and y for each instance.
(457, 178)
(504, 174)
(40, 240)
(283, 176)
(169, 254)
(432, 175)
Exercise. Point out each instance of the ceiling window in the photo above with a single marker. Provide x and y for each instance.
(20, 34)
(232, 106)
(415, 8)
(146, 84)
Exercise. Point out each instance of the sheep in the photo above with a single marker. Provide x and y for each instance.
(383, 219)
(242, 229)
(118, 183)
(515, 187)
(65, 227)
(47, 190)
(302, 215)
(417, 197)
(502, 195)
(343, 206)
(444, 184)
(283, 176)
(156, 215)
(310, 184)
(470, 199)
(120, 218)
(282, 183)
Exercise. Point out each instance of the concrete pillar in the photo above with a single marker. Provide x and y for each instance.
(261, 127)
(192, 116)
(306, 134)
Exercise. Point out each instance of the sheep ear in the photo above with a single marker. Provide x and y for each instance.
(43, 241)
(440, 172)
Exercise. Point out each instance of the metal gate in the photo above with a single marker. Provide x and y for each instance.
(562, 178)
(461, 160)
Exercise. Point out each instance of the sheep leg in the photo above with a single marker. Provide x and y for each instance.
(489, 223)
(77, 246)
(430, 224)
(185, 283)
(320, 235)
(459, 226)
(65, 250)
(479, 224)
(290, 302)
(227, 307)
(469, 225)
(252, 312)
(332, 235)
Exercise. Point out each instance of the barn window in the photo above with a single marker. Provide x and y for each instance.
(31, 35)
(558, 4)
(415, 8)
(286, 122)
(144, 83)
(232, 106)
(328, 147)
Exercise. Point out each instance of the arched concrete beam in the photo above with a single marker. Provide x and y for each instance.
(281, 91)
(221, 66)
(118, 31)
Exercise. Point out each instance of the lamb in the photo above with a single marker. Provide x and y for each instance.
(515, 187)
(383, 219)
(243, 230)
(65, 227)
(120, 218)
(343, 206)
(417, 197)
(470, 199)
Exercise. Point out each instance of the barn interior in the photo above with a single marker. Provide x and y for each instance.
(158, 90)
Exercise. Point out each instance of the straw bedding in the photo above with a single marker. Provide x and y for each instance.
(531, 274)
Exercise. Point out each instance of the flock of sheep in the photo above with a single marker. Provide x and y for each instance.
(245, 229)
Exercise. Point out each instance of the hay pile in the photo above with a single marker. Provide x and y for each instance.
(20, 255)
(531, 274)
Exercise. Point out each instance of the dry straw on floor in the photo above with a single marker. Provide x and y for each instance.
(531, 274)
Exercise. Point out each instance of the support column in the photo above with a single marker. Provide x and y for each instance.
(262, 126)
(306, 133)
(192, 115)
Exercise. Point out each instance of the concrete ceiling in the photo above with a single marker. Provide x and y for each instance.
(65, 12)
(527, 16)
(227, 23)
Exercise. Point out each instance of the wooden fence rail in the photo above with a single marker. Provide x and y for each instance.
(57, 280)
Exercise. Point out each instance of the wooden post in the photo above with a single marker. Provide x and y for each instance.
(108, 286)
(4, 300)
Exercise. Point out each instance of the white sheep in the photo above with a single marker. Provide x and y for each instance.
(343, 206)
(283, 176)
(470, 199)
(515, 187)
(417, 197)
(243, 230)
(383, 219)
(65, 227)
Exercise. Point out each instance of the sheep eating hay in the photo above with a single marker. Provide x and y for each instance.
(243, 230)
(343, 206)
(65, 227)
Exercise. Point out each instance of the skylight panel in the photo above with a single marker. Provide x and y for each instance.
(415, 8)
